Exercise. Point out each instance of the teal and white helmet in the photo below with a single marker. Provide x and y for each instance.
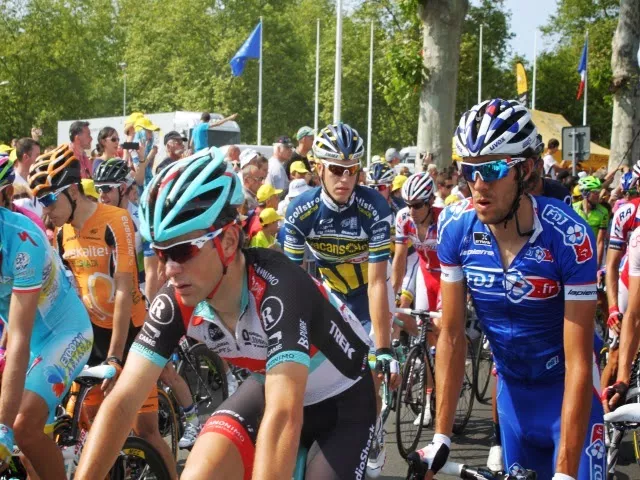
(196, 193)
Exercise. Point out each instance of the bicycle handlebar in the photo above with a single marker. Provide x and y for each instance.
(419, 313)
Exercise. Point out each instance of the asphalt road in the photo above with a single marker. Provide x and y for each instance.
(470, 448)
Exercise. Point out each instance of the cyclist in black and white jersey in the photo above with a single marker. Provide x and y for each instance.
(256, 309)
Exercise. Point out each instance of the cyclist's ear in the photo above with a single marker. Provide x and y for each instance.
(231, 240)
(527, 168)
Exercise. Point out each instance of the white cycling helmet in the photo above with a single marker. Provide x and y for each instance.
(636, 169)
(418, 186)
(496, 127)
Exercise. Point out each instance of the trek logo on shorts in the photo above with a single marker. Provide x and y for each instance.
(596, 451)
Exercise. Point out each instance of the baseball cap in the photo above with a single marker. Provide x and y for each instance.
(246, 156)
(145, 123)
(265, 192)
(284, 140)
(89, 188)
(297, 187)
(269, 215)
(375, 159)
(174, 135)
(299, 167)
(582, 174)
(304, 132)
(390, 154)
(398, 181)
(133, 118)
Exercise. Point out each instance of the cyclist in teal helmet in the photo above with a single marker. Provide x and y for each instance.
(257, 310)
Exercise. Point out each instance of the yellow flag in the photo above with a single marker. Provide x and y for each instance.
(521, 83)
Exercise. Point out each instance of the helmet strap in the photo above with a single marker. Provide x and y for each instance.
(73, 204)
(226, 261)
(515, 206)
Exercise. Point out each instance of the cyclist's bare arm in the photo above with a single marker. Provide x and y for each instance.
(614, 257)
(121, 313)
(379, 304)
(451, 347)
(22, 316)
(279, 433)
(630, 333)
(115, 418)
(399, 267)
(578, 386)
(602, 237)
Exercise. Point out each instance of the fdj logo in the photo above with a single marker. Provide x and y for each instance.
(477, 279)
(517, 286)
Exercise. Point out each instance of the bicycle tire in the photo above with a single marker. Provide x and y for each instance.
(410, 401)
(168, 421)
(138, 456)
(483, 364)
(209, 378)
(465, 401)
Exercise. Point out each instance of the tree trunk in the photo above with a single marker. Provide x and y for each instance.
(442, 29)
(626, 86)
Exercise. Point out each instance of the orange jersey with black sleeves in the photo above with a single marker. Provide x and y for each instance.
(104, 246)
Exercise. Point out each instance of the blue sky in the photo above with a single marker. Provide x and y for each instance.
(526, 17)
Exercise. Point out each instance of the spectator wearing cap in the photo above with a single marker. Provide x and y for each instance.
(268, 197)
(147, 150)
(277, 175)
(300, 154)
(392, 157)
(296, 187)
(252, 177)
(130, 134)
(200, 136)
(174, 145)
(266, 237)
(396, 191)
(81, 138)
(298, 170)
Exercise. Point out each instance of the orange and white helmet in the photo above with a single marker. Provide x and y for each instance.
(54, 170)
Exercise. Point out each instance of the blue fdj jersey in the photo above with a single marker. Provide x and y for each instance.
(29, 264)
(342, 238)
(521, 308)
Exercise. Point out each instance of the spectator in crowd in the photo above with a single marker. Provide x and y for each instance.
(296, 187)
(266, 237)
(277, 175)
(252, 179)
(432, 170)
(89, 189)
(538, 184)
(444, 184)
(147, 151)
(36, 133)
(27, 150)
(199, 137)
(233, 155)
(305, 142)
(81, 138)
(299, 170)
(268, 197)
(396, 190)
(362, 176)
(405, 172)
(376, 159)
(392, 157)
(130, 135)
(551, 168)
(14, 142)
(107, 146)
(174, 146)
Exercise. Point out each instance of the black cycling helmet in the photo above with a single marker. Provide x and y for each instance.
(111, 171)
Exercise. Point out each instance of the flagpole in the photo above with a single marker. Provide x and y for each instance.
(337, 92)
(586, 83)
(315, 114)
(535, 67)
(480, 68)
(259, 142)
(370, 119)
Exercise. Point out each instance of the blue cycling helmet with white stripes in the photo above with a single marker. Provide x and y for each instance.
(496, 127)
(628, 181)
(381, 173)
(338, 142)
(199, 192)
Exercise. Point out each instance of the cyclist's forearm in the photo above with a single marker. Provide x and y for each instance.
(277, 444)
(612, 276)
(629, 343)
(121, 321)
(13, 379)
(450, 360)
(578, 391)
(600, 242)
(399, 267)
(379, 312)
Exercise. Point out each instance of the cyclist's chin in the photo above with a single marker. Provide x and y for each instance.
(341, 193)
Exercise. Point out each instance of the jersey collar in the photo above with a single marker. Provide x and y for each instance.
(328, 201)
(537, 225)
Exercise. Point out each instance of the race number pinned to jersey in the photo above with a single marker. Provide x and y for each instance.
(574, 234)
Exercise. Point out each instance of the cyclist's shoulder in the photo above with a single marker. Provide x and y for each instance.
(307, 202)
(457, 213)
(14, 221)
(555, 189)
(274, 268)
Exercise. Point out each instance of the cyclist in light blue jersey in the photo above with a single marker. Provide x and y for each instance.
(529, 264)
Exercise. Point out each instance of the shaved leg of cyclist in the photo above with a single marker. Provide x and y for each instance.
(97, 243)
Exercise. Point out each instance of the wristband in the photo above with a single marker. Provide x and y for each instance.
(115, 360)
(441, 438)
(613, 309)
(562, 476)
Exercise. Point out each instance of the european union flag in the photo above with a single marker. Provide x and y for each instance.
(250, 49)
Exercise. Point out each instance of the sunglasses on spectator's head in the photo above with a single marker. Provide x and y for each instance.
(338, 169)
(488, 171)
(51, 197)
(182, 252)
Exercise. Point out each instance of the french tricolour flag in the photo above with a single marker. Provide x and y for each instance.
(582, 69)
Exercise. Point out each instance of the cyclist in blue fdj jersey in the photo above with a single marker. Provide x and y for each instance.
(347, 228)
(311, 382)
(48, 342)
(529, 264)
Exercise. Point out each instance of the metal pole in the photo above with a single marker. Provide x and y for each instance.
(337, 92)
(370, 118)
(259, 142)
(315, 114)
(586, 83)
(480, 68)
(535, 68)
(124, 95)
(573, 160)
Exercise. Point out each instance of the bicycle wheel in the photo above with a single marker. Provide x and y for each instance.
(139, 460)
(203, 371)
(465, 402)
(168, 421)
(483, 363)
(410, 401)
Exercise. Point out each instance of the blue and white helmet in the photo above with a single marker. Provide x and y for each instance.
(196, 193)
(628, 181)
(381, 173)
(338, 142)
(496, 127)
